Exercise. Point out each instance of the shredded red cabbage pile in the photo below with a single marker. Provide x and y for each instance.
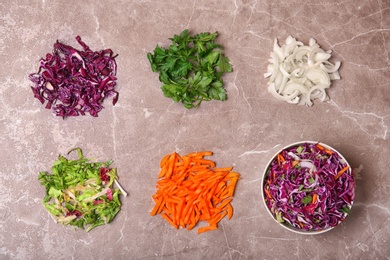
(306, 188)
(75, 82)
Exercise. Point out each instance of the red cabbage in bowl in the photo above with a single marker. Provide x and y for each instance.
(308, 187)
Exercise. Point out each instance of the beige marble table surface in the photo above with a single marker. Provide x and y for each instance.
(244, 131)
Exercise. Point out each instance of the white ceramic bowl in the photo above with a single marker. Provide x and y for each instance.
(265, 197)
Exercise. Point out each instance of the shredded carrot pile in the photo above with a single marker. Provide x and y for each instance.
(191, 189)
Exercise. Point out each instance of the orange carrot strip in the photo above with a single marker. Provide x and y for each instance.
(211, 192)
(229, 211)
(341, 172)
(198, 190)
(206, 162)
(216, 210)
(179, 211)
(225, 194)
(168, 207)
(172, 159)
(156, 207)
(189, 213)
(226, 169)
(198, 168)
(186, 162)
(280, 159)
(178, 169)
(320, 147)
(205, 209)
(224, 203)
(161, 208)
(216, 200)
(163, 171)
(164, 160)
(232, 186)
(197, 200)
(314, 200)
(201, 174)
(231, 175)
(328, 151)
(173, 214)
(172, 200)
(221, 191)
(191, 226)
(203, 217)
(294, 163)
(185, 213)
(204, 153)
(196, 216)
(183, 193)
(167, 218)
(214, 178)
(182, 224)
(268, 193)
(218, 218)
(188, 183)
(206, 228)
(221, 185)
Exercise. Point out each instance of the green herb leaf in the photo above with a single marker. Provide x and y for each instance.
(191, 69)
(306, 200)
(54, 193)
(212, 57)
(217, 91)
(224, 65)
(345, 210)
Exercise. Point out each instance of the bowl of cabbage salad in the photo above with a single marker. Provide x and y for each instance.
(308, 187)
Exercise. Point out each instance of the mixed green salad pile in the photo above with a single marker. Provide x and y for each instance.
(80, 192)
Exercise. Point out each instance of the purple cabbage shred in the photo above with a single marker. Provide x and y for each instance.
(74, 82)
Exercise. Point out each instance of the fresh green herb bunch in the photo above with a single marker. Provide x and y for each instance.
(191, 68)
(80, 192)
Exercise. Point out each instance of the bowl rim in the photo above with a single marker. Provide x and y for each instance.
(307, 232)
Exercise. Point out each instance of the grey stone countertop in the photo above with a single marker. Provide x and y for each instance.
(244, 131)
